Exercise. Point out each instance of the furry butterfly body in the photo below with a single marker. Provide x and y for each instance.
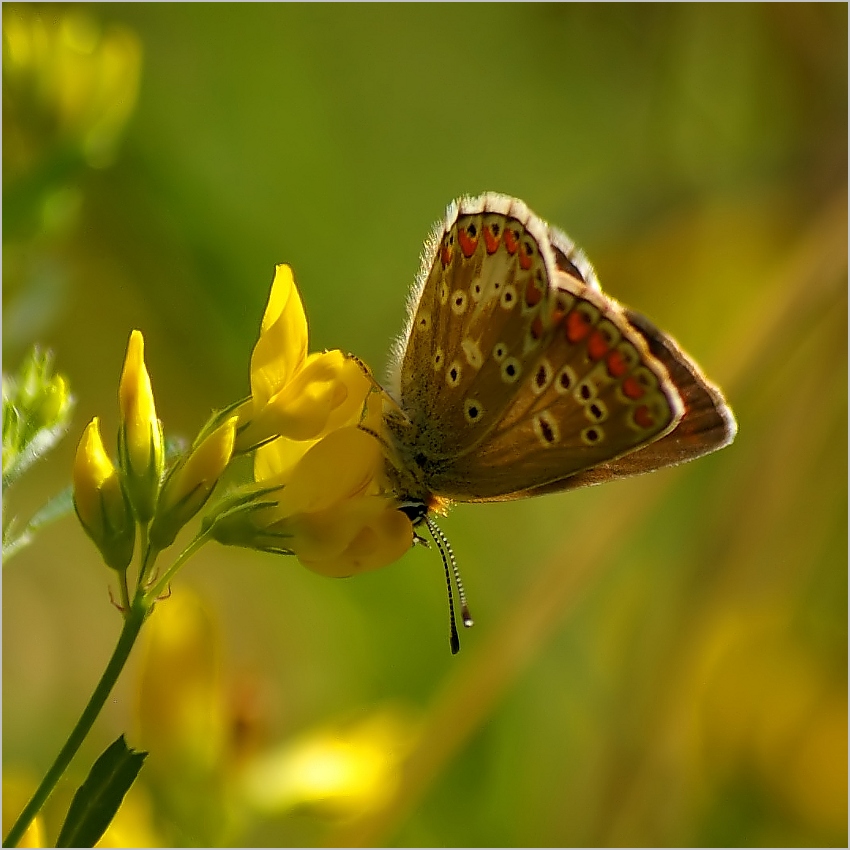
(517, 376)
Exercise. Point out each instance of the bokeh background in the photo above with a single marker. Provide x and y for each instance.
(659, 661)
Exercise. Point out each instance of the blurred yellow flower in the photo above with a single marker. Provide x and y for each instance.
(292, 394)
(140, 442)
(100, 502)
(339, 772)
(180, 698)
(64, 72)
(329, 505)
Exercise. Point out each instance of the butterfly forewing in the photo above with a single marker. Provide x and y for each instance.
(477, 327)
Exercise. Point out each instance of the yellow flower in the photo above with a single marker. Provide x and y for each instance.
(340, 771)
(68, 81)
(191, 483)
(140, 443)
(99, 499)
(331, 507)
(292, 394)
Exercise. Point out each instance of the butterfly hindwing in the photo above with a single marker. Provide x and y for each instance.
(594, 392)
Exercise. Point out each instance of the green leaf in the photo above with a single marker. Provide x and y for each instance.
(98, 798)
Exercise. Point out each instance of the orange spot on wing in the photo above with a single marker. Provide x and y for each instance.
(532, 294)
(537, 328)
(524, 258)
(616, 363)
(511, 240)
(597, 345)
(446, 254)
(468, 243)
(643, 417)
(577, 326)
(491, 241)
(632, 388)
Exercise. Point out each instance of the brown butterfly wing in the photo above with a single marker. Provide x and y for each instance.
(516, 375)
(485, 288)
(707, 423)
(593, 392)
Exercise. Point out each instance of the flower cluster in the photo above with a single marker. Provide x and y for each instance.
(111, 501)
(319, 490)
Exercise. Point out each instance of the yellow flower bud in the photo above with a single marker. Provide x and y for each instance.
(99, 499)
(140, 442)
(191, 483)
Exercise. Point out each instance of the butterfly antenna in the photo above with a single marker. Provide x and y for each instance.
(448, 557)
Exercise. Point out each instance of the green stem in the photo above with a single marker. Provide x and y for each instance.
(148, 555)
(156, 590)
(129, 633)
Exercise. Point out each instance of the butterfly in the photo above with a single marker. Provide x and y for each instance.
(516, 376)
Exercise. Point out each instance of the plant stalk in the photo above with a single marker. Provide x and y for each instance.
(132, 624)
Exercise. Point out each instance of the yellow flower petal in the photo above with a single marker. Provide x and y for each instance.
(377, 544)
(282, 346)
(338, 467)
(327, 393)
(277, 459)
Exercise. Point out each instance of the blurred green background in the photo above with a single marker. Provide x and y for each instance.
(660, 661)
